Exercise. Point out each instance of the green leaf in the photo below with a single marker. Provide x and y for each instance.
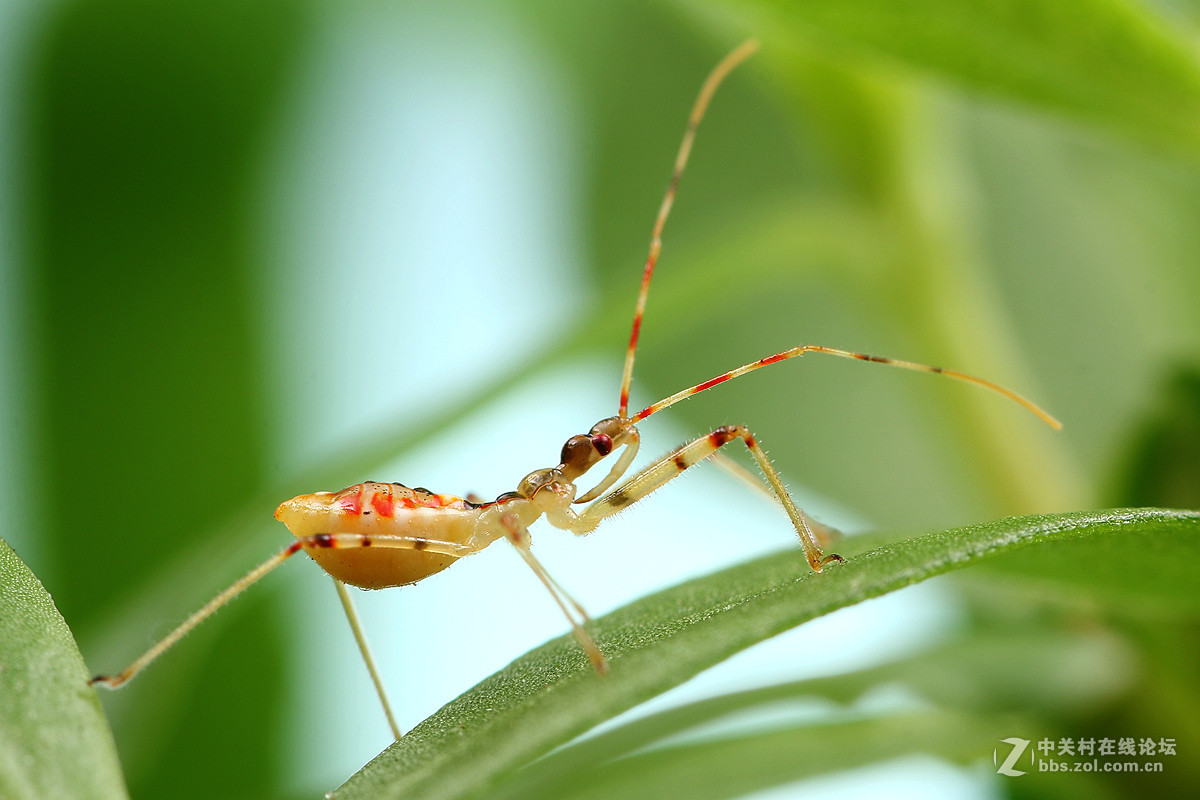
(751, 739)
(1163, 464)
(734, 766)
(54, 740)
(145, 123)
(550, 695)
(1108, 62)
(1133, 576)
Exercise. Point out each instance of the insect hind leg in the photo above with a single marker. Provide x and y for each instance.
(207, 610)
(318, 541)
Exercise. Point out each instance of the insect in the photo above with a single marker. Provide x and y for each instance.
(379, 535)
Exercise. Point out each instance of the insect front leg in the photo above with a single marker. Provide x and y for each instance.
(825, 534)
(672, 465)
(518, 535)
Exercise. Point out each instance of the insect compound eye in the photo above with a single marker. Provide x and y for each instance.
(603, 443)
(611, 428)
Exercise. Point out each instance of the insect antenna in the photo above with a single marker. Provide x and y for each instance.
(831, 351)
(744, 51)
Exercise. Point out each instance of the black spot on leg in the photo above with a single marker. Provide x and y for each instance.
(323, 540)
(420, 544)
(680, 462)
(722, 435)
(620, 499)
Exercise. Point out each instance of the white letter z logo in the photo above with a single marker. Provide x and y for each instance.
(1006, 768)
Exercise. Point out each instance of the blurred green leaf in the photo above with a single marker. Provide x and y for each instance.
(733, 766)
(146, 124)
(54, 739)
(551, 695)
(1163, 463)
(980, 687)
(1113, 63)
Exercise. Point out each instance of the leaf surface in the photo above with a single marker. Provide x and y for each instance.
(54, 739)
(549, 696)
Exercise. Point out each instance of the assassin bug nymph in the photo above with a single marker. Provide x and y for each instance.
(378, 535)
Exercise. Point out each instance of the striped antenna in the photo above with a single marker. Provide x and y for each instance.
(813, 348)
(743, 51)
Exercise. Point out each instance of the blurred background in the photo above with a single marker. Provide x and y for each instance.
(249, 251)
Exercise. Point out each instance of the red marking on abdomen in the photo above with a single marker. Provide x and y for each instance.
(383, 504)
(352, 503)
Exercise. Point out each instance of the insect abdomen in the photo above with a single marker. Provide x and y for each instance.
(384, 515)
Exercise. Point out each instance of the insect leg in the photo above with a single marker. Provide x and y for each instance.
(618, 469)
(518, 534)
(320, 540)
(361, 639)
(114, 681)
(825, 534)
(349, 541)
(672, 465)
